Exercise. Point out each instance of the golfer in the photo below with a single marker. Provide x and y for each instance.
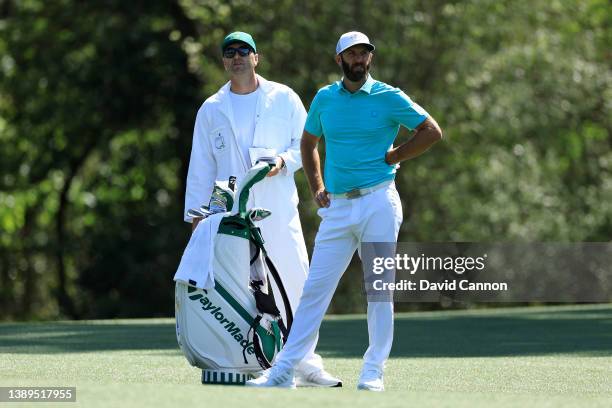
(247, 118)
(360, 118)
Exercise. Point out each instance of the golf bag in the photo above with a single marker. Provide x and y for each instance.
(233, 319)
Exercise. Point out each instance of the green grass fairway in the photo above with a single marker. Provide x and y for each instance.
(544, 357)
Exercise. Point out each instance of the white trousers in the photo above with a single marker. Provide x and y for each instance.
(375, 217)
(285, 245)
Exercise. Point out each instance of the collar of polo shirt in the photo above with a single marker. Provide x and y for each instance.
(366, 87)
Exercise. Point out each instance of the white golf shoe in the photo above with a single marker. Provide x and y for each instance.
(371, 380)
(319, 378)
(273, 377)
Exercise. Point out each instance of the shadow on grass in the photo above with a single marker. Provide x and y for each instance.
(583, 331)
(82, 337)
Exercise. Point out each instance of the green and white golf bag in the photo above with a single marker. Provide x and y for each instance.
(237, 322)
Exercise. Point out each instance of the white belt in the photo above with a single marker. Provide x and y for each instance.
(360, 192)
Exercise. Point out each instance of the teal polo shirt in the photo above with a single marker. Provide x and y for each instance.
(359, 128)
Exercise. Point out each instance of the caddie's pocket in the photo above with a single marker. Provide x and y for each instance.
(220, 139)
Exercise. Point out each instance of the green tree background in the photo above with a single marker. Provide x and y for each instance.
(98, 99)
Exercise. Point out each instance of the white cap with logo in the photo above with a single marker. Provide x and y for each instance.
(351, 38)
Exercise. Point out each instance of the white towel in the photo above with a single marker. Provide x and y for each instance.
(257, 152)
(197, 261)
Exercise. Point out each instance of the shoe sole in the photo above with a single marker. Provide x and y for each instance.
(290, 387)
(362, 387)
(311, 384)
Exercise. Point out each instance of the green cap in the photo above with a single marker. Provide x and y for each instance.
(238, 36)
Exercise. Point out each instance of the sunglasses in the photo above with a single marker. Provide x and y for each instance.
(231, 52)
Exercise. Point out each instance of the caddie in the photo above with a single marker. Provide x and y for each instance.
(360, 118)
(250, 118)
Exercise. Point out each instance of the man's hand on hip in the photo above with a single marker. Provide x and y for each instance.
(425, 136)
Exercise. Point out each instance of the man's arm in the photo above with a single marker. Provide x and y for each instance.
(312, 167)
(202, 169)
(290, 159)
(427, 134)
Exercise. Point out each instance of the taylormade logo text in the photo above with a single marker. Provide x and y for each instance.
(228, 325)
